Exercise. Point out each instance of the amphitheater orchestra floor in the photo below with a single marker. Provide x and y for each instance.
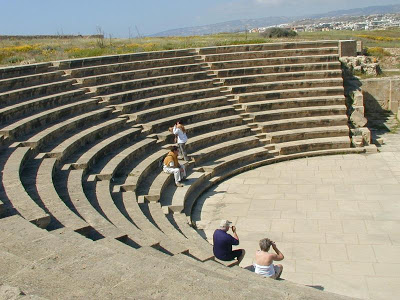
(335, 218)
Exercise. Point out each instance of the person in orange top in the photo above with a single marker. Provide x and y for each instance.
(172, 166)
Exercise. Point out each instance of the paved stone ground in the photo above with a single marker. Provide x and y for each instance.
(336, 219)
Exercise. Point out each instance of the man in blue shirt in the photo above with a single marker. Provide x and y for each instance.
(223, 243)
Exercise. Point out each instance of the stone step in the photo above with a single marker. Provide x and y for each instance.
(279, 114)
(106, 146)
(108, 206)
(147, 82)
(145, 166)
(194, 194)
(18, 110)
(203, 127)
(181, 221)
(15, 190)
(308, 133)
(291, 93)
(157, 187)
(60, 260)
(158, 217)
(84, 207)
(260, 70)
(112, 59)
(307, 122)
(51, 200)
(24, 70)
(293, 103)
(13, 83)
(41, 119)
(177, 108)
(285, 76)
(189, 117)
(217, 150)
(273, 61)
(215, 137)
(227, 163)
(314, 144)
(287, 85)
(129, 66)
(136, 214)
(177, 202)
(159, 90)
(26, 93)
(154, 72)
(89, 135)
(180, 97)
(267, 46)
(254, 54)
(120, 160)
(314, 153)
(52, 132)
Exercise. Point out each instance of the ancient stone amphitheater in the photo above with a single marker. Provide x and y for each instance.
(83, 205)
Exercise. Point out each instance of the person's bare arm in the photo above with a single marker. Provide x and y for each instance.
(234, 233)
(279, 255)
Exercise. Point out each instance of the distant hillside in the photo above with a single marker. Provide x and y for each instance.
(230, 26)
(241, 25)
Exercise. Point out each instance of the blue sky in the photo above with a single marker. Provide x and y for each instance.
(149, 16)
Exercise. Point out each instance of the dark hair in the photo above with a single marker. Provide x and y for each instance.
(265, 244)
(174, 148)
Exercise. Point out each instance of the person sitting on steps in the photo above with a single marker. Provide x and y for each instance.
(223, 243)
(172, 166)
(264, 260)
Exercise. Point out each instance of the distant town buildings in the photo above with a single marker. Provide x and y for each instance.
(371, 22)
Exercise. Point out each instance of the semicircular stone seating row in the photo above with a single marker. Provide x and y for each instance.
(82, 139)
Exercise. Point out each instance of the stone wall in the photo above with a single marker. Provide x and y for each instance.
(381, 93)
(347, 48)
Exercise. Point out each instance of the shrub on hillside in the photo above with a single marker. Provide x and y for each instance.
(377, 52)
(276, 32)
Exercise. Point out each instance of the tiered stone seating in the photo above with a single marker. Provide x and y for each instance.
(83, 140)
(298, 93)
(44, 263)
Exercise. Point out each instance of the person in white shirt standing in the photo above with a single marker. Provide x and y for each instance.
(180, 133)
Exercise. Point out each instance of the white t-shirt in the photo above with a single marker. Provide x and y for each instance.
(182, 137)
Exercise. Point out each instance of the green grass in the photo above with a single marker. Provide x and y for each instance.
(40, 50)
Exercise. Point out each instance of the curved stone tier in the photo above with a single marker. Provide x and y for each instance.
(81, 141)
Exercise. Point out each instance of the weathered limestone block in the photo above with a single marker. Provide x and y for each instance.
(360, 109)
(359, 47)
(358, 119)
(358, 98)
(360, 137)
(366, 134)
(357, 141)
(347, 48)
(381, 94)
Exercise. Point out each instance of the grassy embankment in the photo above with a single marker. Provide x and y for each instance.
(15, 52)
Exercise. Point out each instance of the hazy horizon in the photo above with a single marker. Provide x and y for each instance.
(123, 17)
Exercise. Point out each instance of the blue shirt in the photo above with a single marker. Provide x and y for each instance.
(223, 244)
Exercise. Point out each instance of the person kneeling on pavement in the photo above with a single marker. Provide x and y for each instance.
(172, 166)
